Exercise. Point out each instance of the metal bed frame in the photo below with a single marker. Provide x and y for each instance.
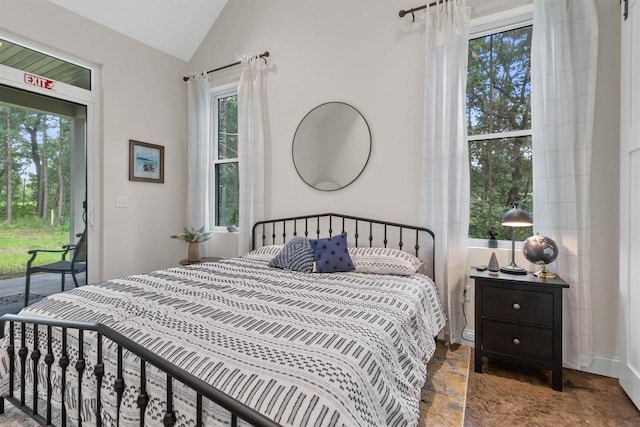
(18, 350)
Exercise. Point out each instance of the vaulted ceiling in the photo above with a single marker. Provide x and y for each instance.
(176, 27)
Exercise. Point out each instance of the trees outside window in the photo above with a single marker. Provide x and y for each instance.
(225, 112)
(35, 165)
(499, 130)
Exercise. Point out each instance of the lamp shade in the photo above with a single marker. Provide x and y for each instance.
(516, 217)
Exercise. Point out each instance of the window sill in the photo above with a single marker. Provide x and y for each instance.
(482, 244)
(224, 230)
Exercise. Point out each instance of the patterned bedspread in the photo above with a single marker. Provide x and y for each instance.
(342, 349)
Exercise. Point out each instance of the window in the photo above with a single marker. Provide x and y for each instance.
(225, 123)
(499, 130)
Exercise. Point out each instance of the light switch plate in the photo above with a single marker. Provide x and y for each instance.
(122, 202)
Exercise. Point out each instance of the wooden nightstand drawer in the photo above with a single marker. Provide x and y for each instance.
(517, 340)
(518, 305)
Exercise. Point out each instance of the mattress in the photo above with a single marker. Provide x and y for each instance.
(339, 349)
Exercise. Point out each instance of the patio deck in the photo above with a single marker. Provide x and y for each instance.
(42, 284)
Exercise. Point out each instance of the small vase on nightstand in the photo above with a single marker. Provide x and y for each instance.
(194, 252)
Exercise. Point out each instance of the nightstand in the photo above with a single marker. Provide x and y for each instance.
(519, 319)
(203, 259)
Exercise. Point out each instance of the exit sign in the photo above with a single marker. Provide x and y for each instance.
(38, 81)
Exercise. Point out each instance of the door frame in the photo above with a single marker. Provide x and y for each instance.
(91, 99)
(629, 373)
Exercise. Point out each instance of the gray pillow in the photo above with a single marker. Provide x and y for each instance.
(296, 255)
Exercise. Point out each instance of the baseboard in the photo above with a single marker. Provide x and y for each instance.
(601, 365)
(604, 365)
(469, 338)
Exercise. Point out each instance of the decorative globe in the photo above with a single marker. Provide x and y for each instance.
(539, 249)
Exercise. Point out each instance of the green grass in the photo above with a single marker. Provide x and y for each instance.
(24, 234)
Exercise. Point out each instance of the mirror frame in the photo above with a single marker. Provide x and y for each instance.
(366, 162)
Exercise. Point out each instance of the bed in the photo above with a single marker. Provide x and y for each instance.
(239, 342)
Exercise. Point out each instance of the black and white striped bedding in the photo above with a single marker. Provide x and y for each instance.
(341, 349)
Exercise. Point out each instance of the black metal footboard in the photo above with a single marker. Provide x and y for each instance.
(19, 348)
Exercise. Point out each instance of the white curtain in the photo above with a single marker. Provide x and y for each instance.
(563, 73)
(199, 192)
(250, 148)
(445, 156)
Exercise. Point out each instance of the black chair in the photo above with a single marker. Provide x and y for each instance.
(77, 264)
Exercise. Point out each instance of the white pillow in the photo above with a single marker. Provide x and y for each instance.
(265, 253)
(384, 261)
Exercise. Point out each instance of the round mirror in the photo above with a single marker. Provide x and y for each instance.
(331, 146)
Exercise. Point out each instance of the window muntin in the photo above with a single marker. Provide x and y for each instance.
(225, 121)
(499, 130)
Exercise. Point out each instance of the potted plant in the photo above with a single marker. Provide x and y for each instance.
(492, 243)
(193, 236)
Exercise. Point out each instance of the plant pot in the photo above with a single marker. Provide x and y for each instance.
(193, 252)
(232, 228)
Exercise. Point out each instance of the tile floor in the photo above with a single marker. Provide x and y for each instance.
(41, 284)
(512, 395)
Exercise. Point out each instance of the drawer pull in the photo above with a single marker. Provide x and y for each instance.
(516, 341)
(516, 306)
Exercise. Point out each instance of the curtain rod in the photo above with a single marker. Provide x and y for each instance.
(262, 55)
(402, 13)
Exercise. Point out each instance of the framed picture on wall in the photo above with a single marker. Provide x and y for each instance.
(146, 162)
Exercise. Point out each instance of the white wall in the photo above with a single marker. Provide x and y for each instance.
(605, 187)
(332, 51)
(144, 98)
(362, 53)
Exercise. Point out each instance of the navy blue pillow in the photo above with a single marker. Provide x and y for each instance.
(332, 254)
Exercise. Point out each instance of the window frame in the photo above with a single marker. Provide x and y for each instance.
(483, 26)
(218, 92)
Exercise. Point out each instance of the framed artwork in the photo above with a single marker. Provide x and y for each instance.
(146, 162)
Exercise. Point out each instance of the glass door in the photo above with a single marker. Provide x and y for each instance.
(43, 182)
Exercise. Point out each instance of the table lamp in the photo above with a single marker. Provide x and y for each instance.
(515, 217)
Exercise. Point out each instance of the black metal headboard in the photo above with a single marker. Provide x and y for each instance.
(361, 232)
